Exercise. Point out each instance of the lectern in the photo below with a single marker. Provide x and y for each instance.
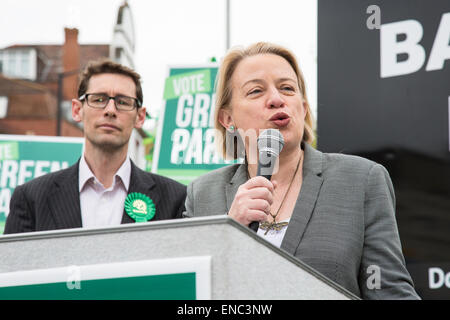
(197, 258)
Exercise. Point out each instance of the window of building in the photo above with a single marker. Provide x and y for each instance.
(118, 53)
(10, 65)
(24, 64)
(3, 107)
(18, 63)
(120, 15)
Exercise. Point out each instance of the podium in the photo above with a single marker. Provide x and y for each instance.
(196, 258)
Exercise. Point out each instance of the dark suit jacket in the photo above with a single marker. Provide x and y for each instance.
(53, 200)
(343, 224)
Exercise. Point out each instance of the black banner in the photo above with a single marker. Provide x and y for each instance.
(384, 94)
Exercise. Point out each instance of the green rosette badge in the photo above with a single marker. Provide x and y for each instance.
(139, 207)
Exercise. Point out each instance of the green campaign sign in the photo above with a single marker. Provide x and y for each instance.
(186, 278)
(156, 287)
(23, 158)
(9, 150)
(185, 146)
(189, 82)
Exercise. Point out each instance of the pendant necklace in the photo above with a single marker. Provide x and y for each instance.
(279, 225)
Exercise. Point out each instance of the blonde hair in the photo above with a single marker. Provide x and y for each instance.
(224, 90)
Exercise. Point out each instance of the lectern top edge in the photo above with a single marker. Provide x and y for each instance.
(162, 224)
(166, 224)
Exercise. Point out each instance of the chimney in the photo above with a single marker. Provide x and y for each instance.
(70, 62)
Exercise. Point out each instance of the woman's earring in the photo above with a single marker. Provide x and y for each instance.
(231, 129)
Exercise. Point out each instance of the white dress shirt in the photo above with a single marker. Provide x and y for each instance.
(99, 206)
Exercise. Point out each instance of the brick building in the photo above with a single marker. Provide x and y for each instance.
(29, 82)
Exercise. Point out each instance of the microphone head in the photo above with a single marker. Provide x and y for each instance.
(271, 141)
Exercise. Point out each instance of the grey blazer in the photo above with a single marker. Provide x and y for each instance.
(343, 224)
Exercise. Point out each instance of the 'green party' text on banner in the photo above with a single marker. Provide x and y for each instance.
(23, 158)
(185, 146)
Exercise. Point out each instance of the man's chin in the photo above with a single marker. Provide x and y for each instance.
(108, 144)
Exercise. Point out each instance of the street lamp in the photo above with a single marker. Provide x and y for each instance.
(61, 76)
(227, 25)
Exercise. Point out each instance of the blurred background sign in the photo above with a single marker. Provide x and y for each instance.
(23, 158)
(185, 145)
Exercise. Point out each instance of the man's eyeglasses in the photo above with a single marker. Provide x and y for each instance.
(100, 101)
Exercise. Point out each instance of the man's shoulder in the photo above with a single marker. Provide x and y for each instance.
(160, 180)
(48, 179)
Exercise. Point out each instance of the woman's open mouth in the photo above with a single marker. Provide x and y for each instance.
(280, 119)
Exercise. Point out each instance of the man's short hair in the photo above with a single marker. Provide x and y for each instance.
(108, 66)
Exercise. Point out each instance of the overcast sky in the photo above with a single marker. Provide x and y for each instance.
(170, 32)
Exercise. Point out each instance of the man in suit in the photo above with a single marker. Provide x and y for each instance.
(104, 188)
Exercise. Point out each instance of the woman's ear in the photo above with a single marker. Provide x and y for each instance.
(225, 118)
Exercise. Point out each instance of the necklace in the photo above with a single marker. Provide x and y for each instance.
(279, 225)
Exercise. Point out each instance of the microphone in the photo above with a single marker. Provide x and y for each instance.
(270, 143)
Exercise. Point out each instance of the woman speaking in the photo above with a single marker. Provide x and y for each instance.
(334, 212)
